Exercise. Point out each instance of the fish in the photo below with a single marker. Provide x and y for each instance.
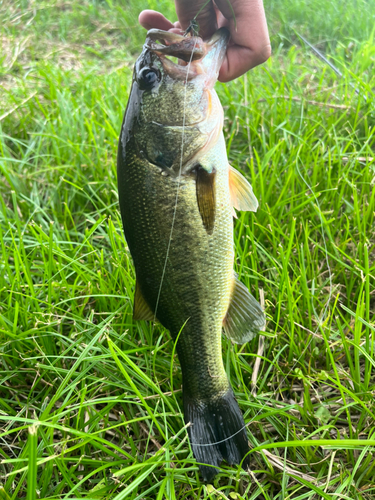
(177, 195)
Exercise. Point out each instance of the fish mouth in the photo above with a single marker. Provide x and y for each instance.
(172, 44)
(194, 55)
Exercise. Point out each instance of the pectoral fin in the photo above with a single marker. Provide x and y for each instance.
(244, 318)
(241, 192)
(141, 309)
(206, 197)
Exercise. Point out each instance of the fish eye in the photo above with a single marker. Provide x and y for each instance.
(147, 78)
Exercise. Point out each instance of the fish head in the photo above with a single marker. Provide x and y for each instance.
(172, 95)
(193, 71)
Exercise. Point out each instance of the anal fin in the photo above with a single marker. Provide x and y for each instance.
(141, 310)
(245, 317)
(241, 192)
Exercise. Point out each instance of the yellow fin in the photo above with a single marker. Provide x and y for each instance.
(245, 317)
(241, 192)
(141, 309)
(206, 197)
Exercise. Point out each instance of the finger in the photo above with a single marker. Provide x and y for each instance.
(238, 60)
(221, 20)
(150, 19)
(187, 10)
(250, 40)
(177, 28)
(179, 31)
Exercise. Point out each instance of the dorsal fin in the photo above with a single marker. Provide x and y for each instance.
(141, 310)
(245, 317)
(206, 197)
(241, 192)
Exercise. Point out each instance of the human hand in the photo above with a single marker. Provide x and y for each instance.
(249, 44)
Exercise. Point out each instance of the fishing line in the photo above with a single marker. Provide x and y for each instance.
(178, 182)
(223, 440)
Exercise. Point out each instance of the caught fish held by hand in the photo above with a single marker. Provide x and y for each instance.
(177, 193)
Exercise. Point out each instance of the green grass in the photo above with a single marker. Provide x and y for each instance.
(88, 408)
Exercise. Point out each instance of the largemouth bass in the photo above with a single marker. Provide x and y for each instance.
(177, 193)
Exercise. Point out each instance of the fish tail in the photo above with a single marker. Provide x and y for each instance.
(217, 432)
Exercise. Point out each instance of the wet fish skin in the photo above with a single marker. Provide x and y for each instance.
(174, 124)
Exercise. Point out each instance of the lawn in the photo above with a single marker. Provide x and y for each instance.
(90, 402)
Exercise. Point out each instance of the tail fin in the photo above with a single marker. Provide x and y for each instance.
(217, 432)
